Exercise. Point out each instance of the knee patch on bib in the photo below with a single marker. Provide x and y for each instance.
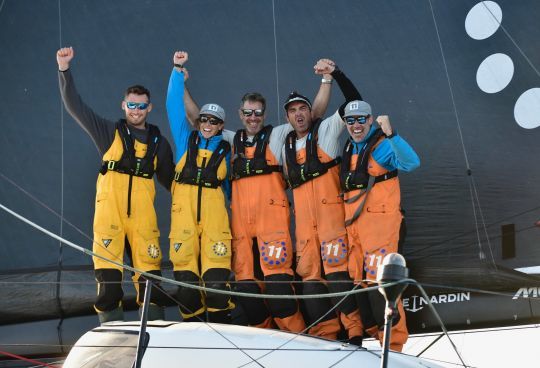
(280, 308)
(216, 278)
(254, 308)
(340, 282)
(190, 300)
(158, 296)
(109, 289)
(317, 308)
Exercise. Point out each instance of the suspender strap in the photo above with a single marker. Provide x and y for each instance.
(360, 207)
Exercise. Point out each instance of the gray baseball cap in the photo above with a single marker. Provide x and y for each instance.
(214, 110)
(357, 108)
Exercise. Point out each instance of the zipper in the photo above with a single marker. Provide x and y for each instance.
(199, 190)
(129, 195)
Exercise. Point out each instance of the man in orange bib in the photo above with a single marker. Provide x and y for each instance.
(371, 159)
(311, 159)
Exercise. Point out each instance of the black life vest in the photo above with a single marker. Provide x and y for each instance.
(243, 167)
(128, 163)
(298, 174)
(359, 177)
(205, 176)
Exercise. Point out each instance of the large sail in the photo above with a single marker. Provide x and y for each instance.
(459, 80)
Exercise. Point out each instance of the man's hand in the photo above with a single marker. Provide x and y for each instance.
(384, 123)
(324, 66)
(63, 57)
(186, 74)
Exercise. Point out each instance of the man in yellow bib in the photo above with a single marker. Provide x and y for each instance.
(132, 152)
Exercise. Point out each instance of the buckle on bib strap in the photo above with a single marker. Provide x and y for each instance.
(111, 165)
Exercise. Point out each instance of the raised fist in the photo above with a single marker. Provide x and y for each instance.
(63, 57)
(180, 57)
(324, 66)
(384, 123)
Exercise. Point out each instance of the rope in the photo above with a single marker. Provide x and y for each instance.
(469, 244)
(480, 250)
(437, 317)
(444, 242)
(475, 191)
(261, 348)
(19, 357)
(207, 324)
(430, 247)
(458, 124)
(308, 327)
(276, 54)
(56, 214)
(512, 40)
(61, 312)
(187, 285)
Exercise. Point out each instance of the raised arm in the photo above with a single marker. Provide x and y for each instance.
(347, 88)
(320, 103)
(192, 109)
(331, 128)
(180, 128)
(394, 152)
(99, 129)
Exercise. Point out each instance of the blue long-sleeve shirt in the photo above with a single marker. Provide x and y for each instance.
(181, 129)
(393, 153)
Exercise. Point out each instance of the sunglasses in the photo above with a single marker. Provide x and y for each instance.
(137, 105)
(212, 121)
(350, 120)
(249, 112)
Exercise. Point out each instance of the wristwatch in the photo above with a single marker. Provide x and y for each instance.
(326, 81)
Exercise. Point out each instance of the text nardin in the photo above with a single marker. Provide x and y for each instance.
(416, 303)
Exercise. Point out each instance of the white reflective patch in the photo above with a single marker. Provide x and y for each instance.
(483, 20)
(494, 73)
(527, 109)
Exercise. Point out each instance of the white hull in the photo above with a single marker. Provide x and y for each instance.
(195, 344)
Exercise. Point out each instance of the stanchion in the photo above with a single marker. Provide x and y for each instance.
(393, 269)
(141, 344)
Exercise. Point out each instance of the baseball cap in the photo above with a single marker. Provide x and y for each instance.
(357, 108)
(214, 110)
(295, 96)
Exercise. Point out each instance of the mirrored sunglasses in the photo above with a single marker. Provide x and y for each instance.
(212, 121)
(137, 105)
(249, 112)
(350, 120)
